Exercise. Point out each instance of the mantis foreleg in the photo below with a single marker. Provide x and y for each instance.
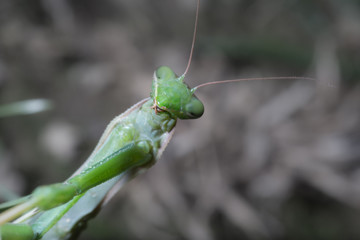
(47, 197)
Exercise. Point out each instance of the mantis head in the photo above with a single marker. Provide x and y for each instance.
(171, 94)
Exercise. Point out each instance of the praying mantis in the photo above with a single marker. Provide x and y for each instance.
(132, 142)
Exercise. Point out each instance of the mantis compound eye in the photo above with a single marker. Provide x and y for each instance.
(195, 108)
(165, 72)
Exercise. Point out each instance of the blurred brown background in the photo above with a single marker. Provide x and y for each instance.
(268, 160)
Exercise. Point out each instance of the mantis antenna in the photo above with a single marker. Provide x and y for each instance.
(248, 79)
(226, 81)
(194, 38)
(232, 80)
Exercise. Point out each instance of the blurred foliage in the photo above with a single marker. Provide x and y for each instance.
(268, 160)
(25, 107)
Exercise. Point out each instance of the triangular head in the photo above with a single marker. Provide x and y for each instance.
(171, 94)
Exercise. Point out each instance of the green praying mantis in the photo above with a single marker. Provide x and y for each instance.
(130, 144)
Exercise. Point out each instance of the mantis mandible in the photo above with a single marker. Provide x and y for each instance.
(131, 143)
